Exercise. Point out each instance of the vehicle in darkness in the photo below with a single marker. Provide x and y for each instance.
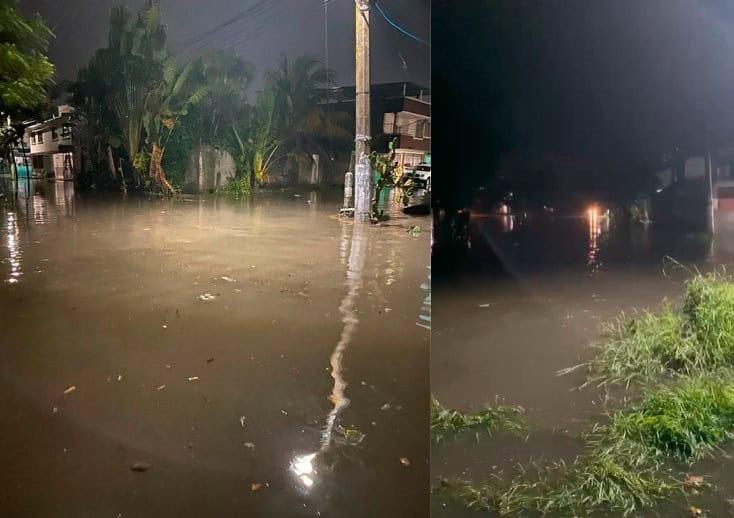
(417, 184)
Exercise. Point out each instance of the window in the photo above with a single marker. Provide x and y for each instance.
(66, 131)
(39, 137)
(54, 134)
(388, 124)
(37, 161)
(419, 128)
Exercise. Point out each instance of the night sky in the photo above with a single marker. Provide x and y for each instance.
(593, 88)
(291, 26)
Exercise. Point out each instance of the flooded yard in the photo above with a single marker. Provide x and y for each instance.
(506, 335)
(199, 357)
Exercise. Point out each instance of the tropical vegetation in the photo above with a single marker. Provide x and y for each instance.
(146, 111)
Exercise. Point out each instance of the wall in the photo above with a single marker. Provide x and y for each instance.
(208, 169)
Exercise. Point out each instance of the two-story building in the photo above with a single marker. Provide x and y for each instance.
(399, 111)
(54, 154)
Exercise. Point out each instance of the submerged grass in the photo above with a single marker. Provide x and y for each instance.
(686, 421)
(446, 422)
(695, 337)
(682, 360)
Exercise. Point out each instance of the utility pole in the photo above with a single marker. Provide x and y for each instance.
(362, 176)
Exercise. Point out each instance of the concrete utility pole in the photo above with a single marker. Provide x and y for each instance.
(362, 169)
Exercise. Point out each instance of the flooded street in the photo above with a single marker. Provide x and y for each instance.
(505, 335)
(199, 357)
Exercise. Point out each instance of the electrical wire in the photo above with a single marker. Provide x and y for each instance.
(398, 27)
(209, 37)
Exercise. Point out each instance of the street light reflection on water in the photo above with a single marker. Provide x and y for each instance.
(302, 465)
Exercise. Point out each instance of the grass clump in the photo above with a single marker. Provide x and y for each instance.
(695, 337)
(609, 477)
(446, 422)
(708, 306)
(686, 421)
(642, 347)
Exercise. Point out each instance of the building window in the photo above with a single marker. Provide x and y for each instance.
(54, 134)
(39, 137)
(427, 130)
(66, 131)
(37, 161)
(419, 127)
(388, 124)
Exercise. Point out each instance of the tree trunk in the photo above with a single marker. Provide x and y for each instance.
(156, 170)
(111, 162)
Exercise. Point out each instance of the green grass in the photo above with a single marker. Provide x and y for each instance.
(619, 478)
(686, 421)
(694, 337)
(446, 422)
(624, 467)
(681, 360)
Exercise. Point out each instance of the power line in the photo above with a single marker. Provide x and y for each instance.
(256, 9)
(398, 27)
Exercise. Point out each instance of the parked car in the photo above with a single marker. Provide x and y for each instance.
(417, 184)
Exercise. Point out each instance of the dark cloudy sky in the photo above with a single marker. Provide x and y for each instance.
(603, 84)
(293, 27)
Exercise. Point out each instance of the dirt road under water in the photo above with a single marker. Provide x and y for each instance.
(506, 335)
(249, 359)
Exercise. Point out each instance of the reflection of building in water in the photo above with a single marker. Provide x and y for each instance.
(15, 254)
(302, 466)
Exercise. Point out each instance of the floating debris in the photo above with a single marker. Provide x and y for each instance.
(140, 467)
(119, 377)
(209, 360)
(351, 436)
(242, 421)
(70, 390)
(694, 481)
(415, 230)
(206, 297)
(386, 406)
(486, 305)
(193, 378)
(284, 412)
(250, 446)
(405, 461)
(227, 278)
(54, 410)
(162, 387)
(255, 487)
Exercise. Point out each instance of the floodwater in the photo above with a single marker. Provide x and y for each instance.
(506, 335)
(247, 359)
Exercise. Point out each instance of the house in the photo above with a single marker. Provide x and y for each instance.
(53, 152)
(400, 111)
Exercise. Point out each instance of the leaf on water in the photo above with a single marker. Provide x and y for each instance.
(70, 390)
(694, 480)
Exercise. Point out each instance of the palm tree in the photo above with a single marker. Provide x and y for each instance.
(299, 90)
(168, 100)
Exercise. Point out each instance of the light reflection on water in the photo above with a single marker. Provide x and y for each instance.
(302, 465)
(15, 254)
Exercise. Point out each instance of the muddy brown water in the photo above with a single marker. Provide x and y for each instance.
(506, 335)
(256, 359)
